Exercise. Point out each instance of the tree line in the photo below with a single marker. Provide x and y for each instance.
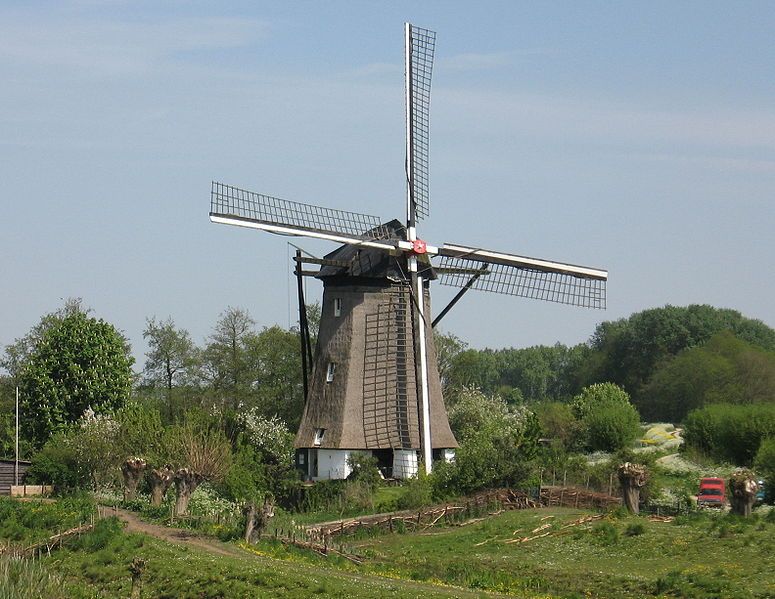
(225, 410)
(670, 360)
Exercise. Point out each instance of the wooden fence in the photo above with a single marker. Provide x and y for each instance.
(486, 503)
(576, 497)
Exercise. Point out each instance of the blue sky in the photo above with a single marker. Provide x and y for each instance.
(637, 138)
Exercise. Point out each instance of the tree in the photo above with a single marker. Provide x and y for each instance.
(628, 351)
(77, 363)
(171, 354)
(742, 491)
(272, 357)
(263, 464)
(497, 441)
(448, 346)
(609, 421)
(202, 453)
(724, 369)
(225, 357)
(632, 477)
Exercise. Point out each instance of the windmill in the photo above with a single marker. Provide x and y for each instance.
(373, 383)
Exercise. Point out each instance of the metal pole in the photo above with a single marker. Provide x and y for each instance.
(16, 463)
(303, 329)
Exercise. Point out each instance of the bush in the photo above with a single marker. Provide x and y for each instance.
(729, 432)
(364, 469)
(605, 533)
(608, 421)
(57, 464)
(497, 442)
(418, 492)
(764, 463)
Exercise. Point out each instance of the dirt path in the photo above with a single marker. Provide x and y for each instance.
(178, 536)
(216, 547)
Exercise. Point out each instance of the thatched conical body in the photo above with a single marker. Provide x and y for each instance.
(363, 392)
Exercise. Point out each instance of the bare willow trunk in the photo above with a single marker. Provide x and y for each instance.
(632, 477)
(186, 482)
(256, 521)
(132, 471)
(161, 479)
(742, 492)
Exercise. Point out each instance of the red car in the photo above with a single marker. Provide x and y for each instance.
(712, 492)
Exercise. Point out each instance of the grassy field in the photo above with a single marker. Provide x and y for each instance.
(694, 556)
(701, 556)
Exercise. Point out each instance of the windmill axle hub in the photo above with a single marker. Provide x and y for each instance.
(419, 247)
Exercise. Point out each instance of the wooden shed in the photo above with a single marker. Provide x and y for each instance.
(7, 474)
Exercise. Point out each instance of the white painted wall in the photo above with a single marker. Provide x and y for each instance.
(404, 463)
(332, 464)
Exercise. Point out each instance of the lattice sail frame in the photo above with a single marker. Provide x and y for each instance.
(389, 415)
(230, 201)
(557, 287)
(422, 44)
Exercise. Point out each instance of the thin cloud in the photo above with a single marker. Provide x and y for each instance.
(117, 46)
(486, 61)
(588, 119)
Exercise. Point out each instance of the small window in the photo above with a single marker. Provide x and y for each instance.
(337, 306)
(319, 432)
(330, 372)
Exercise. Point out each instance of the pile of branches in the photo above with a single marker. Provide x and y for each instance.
(493, 502)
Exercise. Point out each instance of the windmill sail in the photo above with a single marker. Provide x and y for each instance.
(234, 206)
(420, 46)
(524, 277)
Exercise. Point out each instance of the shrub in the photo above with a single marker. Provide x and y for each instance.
(605, 533)
(635, 529)
(364, 469)
(729, 432)
(418, 492)
(764, 463)
(608, 421)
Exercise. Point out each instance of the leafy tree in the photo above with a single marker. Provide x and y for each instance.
(531, 374)
(77, 363)
(448, 346)
(608, 420)
(264, 461)
(171, 358)
(729, 432)
(273, 359)
(628, 351)
(472, 368)
(724, 369)
(497, 441)
(225, 357)
(558, 423)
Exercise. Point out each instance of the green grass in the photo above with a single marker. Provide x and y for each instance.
(696, 556)
(101, 562)
(703, 556)
(26, 522)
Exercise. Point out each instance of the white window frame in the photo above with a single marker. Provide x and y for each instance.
(337, 306)
(319, 434)
(330, 372)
